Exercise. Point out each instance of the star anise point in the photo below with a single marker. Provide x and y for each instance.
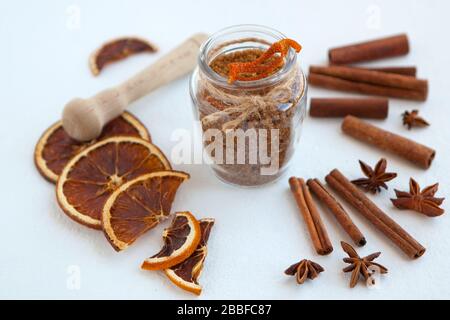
(305, 269)
(375, 178)
(364, 267)
(412, 119)
(422, 201)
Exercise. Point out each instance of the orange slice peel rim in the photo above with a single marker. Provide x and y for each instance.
(180, 254)
(183, 284)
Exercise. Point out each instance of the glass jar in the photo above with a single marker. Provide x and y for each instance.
(250, 128)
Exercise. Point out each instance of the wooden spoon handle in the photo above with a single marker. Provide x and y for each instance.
(174, 65)
(83, 119)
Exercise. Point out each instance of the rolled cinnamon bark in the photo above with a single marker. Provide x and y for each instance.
(406, 71)
(374, 108)
(375, 215)
(372, 50)
(417, 153)
(337, 210)
(383, 79)
(334, 83)
(316, 228)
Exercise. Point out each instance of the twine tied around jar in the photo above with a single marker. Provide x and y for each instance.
(246, 105)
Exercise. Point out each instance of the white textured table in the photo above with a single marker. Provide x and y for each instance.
(258, 232)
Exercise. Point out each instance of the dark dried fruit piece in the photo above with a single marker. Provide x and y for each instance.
(421, 201)
(55, 147)
(303, 270)
(116, 50)
(412, 119)
(361, 266)
(186, 274)
(180, 241)
(376, 178)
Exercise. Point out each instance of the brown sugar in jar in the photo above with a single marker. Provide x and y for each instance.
(250, 128)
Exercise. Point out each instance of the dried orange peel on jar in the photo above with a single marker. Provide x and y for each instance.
(262, 67)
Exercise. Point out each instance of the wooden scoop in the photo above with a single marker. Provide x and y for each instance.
(83, 119)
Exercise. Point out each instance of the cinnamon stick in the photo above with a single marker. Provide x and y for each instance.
(416, 153)
(370, 50)
(375, 108)
(383, 79)
(316, 228)
(375, 215)
(337, 210)
(334, 83)
(406, 71)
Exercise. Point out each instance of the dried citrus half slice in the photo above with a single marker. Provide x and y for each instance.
(139, 205)
(180, 241)
(55, 148)
(116, 50)
(186, 274)
(91, 176)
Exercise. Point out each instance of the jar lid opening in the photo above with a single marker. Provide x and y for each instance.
(238, 38)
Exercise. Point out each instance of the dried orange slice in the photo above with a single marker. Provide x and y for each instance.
(139, 205)
(186, 274)
(116, 50)
(55, 148)
(180, 241)
(91, 176)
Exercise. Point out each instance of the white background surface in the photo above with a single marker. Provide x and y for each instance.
(258, 232)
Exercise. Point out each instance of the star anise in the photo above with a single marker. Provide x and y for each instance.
(303, 270)
(361, 266)
(412, 119)
(376, 178)
(420, 201)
